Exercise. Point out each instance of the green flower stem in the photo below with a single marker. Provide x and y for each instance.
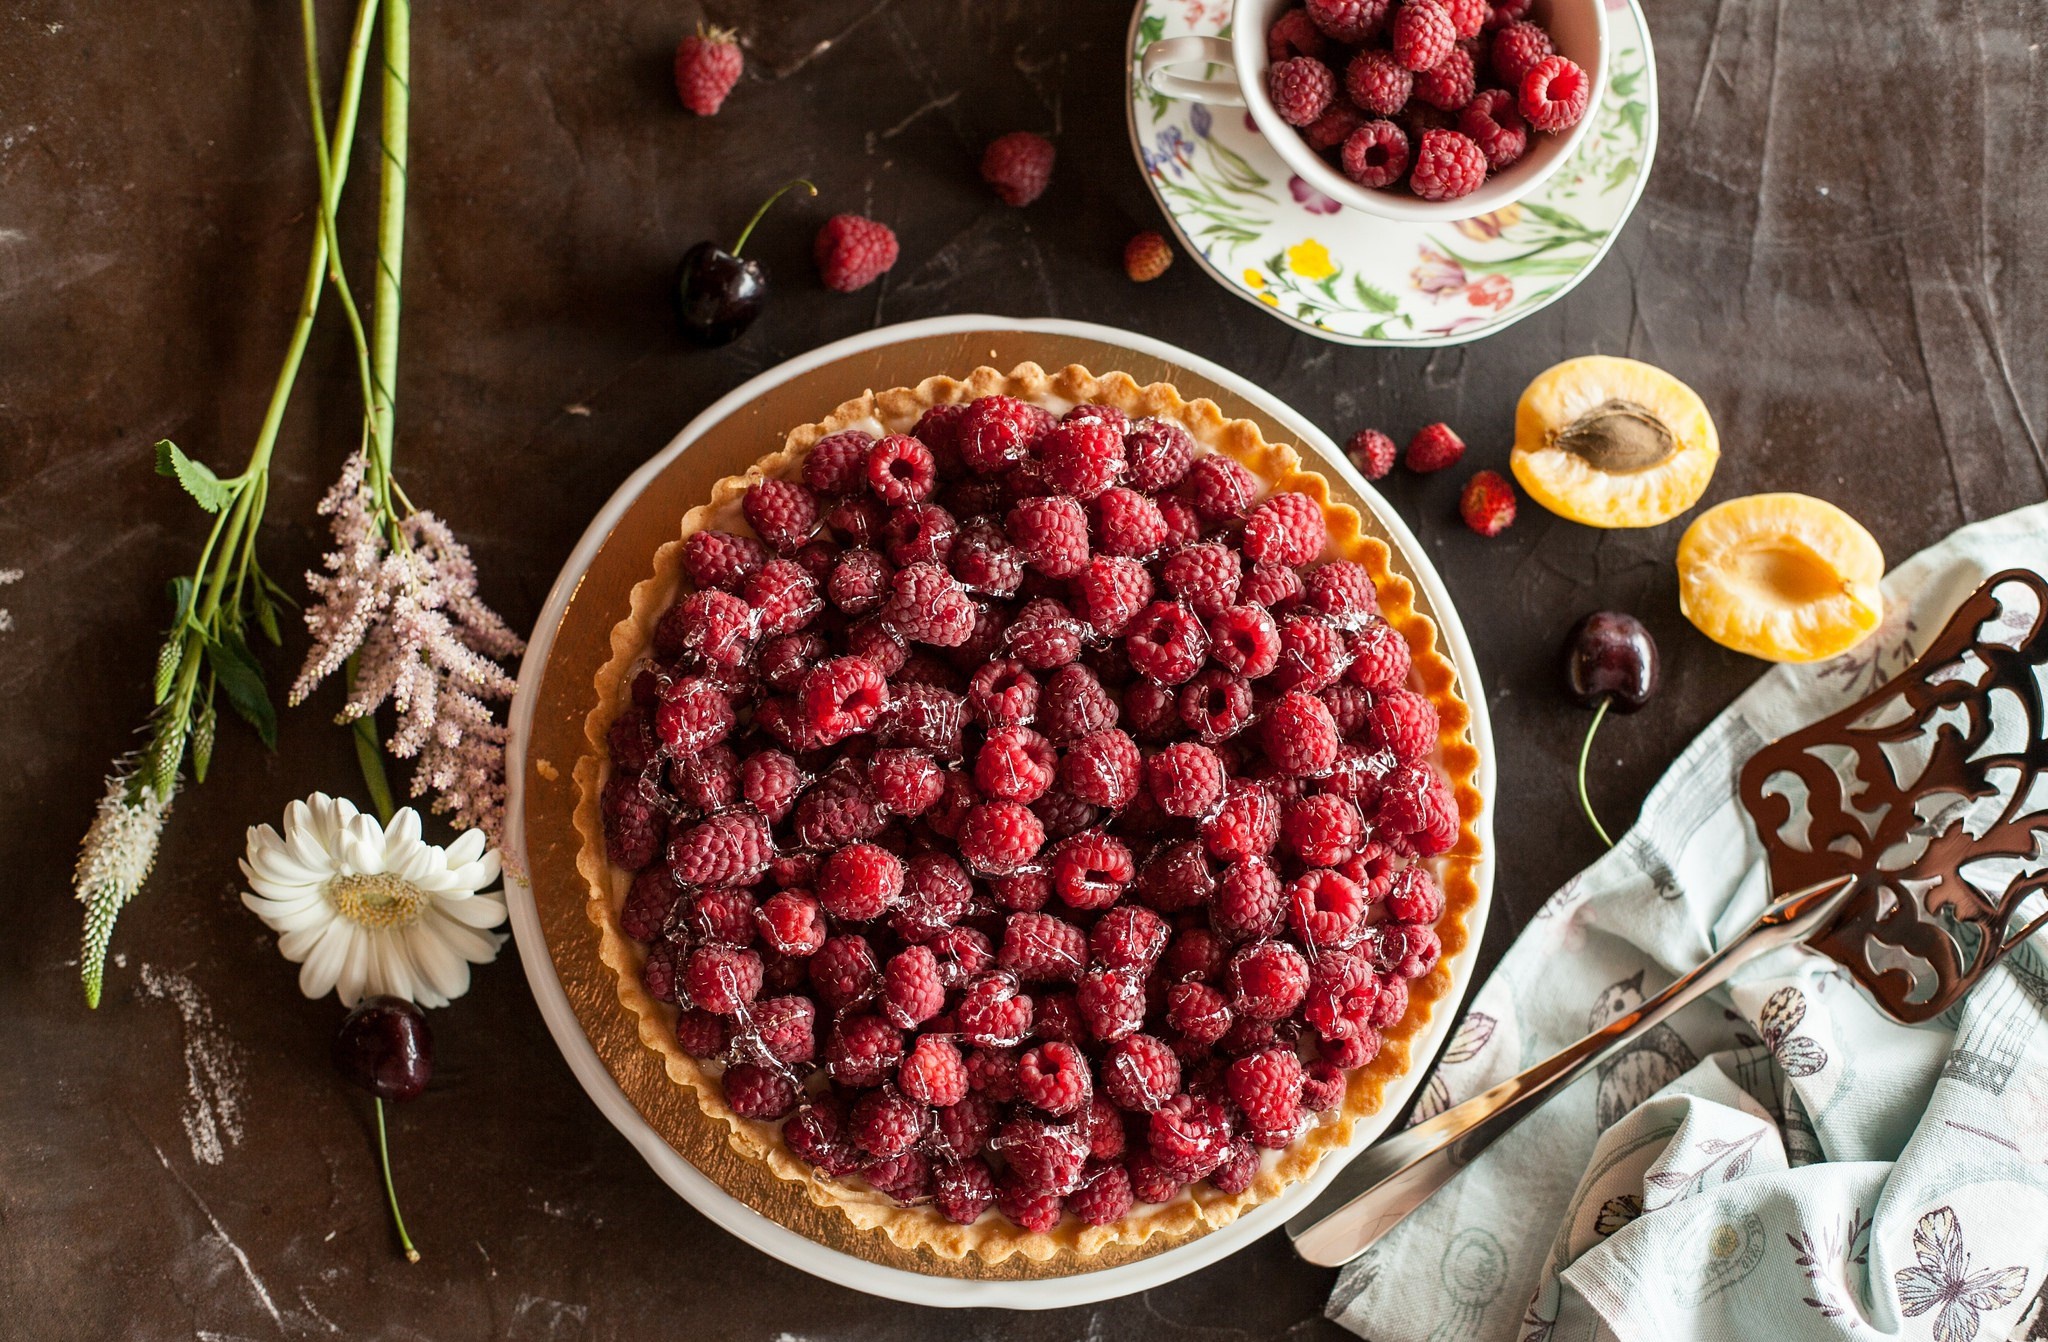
(369, 751)
(780, 192)
(397, 114)
(412, 1255)
(1585, 750)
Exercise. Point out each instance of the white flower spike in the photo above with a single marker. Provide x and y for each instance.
(365, 910)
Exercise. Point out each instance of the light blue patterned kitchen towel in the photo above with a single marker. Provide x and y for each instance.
(1780, 1161)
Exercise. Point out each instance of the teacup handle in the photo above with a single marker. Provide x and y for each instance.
(1156, 69)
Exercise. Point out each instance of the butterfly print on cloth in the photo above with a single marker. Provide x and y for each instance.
(1657, 1058)
(1779, 1023)
(1942, 1280)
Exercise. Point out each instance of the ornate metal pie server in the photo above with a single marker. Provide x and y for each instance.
(1909, 827)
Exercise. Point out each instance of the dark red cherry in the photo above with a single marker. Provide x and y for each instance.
(1611, 656)
(385, 1047)
(718, 294)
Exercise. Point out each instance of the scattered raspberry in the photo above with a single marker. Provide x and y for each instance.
(1092, 870)
(1433, 448)
(1378, 83)
(1220, 488)
(1373, 451)
(1166, 643)
(1403, 722)
(1348, 22)
(1110, 592)
(1267, 980)
(1449, 86)
(1301, 89)
(1447, 165)
(1376, 155)
(1102, 768)
(1246, 825)
(1146, 256)
(1423, 34)
(1018, 166)
(1159, 454)
(708, 64)
(755, 1091)
(862, 1050)
(1038, 947)
(852, 252)
(1054, 1077)
(997, 432)
(1517, 49)
(1496, 126)
(1554, 94)
(1285, 529)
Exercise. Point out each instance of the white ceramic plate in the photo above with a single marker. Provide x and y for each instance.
(733, 1215)
(1269, 237)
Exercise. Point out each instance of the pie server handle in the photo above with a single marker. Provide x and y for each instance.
(1372, 1194)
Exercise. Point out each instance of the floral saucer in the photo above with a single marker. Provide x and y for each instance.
(1272, 239)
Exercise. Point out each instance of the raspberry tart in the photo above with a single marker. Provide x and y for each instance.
(1028, 813)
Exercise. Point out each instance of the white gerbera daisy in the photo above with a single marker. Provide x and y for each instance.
(365, 910)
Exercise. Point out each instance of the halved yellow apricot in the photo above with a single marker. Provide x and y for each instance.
(1613, 442)
(1785, 577)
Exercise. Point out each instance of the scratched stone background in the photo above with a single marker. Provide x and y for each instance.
(1839, 249)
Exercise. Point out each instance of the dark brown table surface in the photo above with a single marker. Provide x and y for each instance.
(1840, 249)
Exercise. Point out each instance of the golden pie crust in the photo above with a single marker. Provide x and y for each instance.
(994, 1238)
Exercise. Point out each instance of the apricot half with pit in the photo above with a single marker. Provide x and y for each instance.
(1785, 577)
(1613, 442)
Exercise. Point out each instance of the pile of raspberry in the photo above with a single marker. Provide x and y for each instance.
(1024, 815)
(1435, 93)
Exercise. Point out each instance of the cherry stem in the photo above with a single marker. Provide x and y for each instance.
(1585, 750)
(748, 231)
(412, 1255)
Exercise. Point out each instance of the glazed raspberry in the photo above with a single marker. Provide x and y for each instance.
(998, 837)
(1506, 12)
(900, 470)
(1075, 705)
(1054, 1077)
(784, 598)
(1082, 457)
(1413, 896)
(1517, 49)
(1348, 705)
(1324, 909)
(1246, 825)
(786, 1027)
(1423, 34)
(1157, 454)
(1198, 1012)
(1392, 1002)
(925, 717)
(1322, 831)
(755, 1091)
(783, 513)
(724, 850)
(992, 1074)
(701, 1034)
(912, 991)
(1292, 34)
(837, 463)
(919, 533)
(1322, 1087)
(1408, 951)
(1204, 577)
(1151, 1181)
(1215, 706)
(1038, 947)
(856, 519)
(836, 810)
(1003, 694)
(1377, 83)
(1301, 89)
(1015, 764)
(708, 64)
(1433, 448)
(1044, 635)
(938, 428)
(907, 1178)
(860, 881)
(1186, 779)
(721, 560)
(1150, 712)
(1104, 1195)
(962, 1190)
(1379, 657)
(984, 560)
(1166, 643)
(1092, 870)
(852, 252)
(997, 432)
(693, 715)
(1312, 654)
(963, 953)
(1240, 1168)
(712, 628)
(720, 917)
(1110, 592)
(1139, 1073)
(1376, 155)
(817, 1134)
(992, 1013)
(1266, 981)
(1447, 165)
(1340, 998)
(960, 1130)
(936, 894)
(1404, 722)
(1373, 452)
(1189, 1136)
(885, 1123)
(1494, 123)
(1267, 1086)
(844, 971)
(927, 606)
(1285, 529)
(1029, 1206)
(1018, 166)
(1126, 523)
(1128, 937)
(1112, 1001)
(1102, 768)
(905, 782)
(1051, 533)
(1219, 488)
(862, 1050)
(1449, 86)
(1341, 591)
(1299, 735)
(1183, 523)
(1249, 904)
(841, 698)
(1275, 587)
(1348, 22)
(649, 902)
(1046, 1156)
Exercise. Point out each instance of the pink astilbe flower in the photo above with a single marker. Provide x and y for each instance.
(422, 638)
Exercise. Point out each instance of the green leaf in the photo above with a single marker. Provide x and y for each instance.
(1374, 298)
(266, 614)
(182, 592)
(1555, 218)
(208, 490)
(1150, 29)
(241, 679)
